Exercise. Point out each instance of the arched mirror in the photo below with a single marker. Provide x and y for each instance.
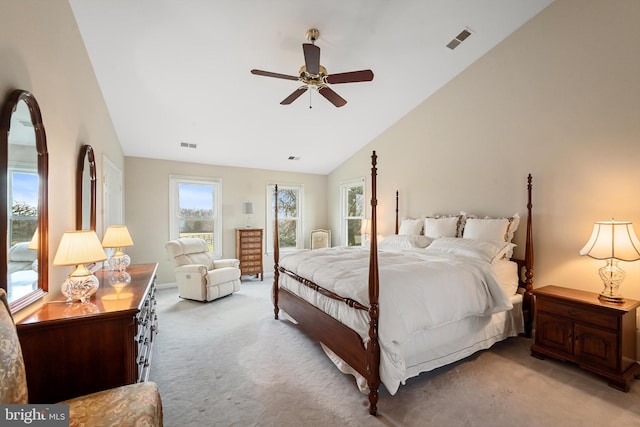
(24, 256)
(86, 190)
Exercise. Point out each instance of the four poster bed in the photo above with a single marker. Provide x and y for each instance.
(401, 325)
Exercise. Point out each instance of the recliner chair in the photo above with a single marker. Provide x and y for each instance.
(199, 276)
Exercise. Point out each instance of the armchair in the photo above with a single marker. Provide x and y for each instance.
(199, 276)
(129, 405)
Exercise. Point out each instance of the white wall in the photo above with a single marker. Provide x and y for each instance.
(41, 51)
(147, 205)
(558, 99)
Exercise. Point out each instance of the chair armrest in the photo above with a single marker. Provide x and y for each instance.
(230, 262)
(198, 269)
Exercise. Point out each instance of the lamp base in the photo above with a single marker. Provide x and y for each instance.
(119, 261)
(612, 276)
(611, 298)
(79, 288)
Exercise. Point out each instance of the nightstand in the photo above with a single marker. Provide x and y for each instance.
(575, 326)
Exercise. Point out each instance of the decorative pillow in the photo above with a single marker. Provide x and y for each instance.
(411, 226)
(489, 251)
(487, 228)
(405, 241)
(442, 226)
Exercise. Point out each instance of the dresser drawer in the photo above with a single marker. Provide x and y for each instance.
(251, 234)
(578, 312)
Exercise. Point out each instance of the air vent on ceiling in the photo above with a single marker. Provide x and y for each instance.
(188, 145)
(459, 39)
(294, 158)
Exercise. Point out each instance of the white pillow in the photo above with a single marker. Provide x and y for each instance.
(489, 251)
(411, 226)
(441, 226)
(405, 241)
(495, 229)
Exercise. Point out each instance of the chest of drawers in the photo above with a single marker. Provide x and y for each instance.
(249, 251)
(76, 349)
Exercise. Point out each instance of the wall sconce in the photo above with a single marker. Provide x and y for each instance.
(612, 241)
(247, 209)
(117, 236)
(79, 248)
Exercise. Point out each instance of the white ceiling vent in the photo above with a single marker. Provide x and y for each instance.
(459, 39)
(188, 145)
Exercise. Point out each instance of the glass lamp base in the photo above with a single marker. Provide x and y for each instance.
(79, 288)
(612, 276)
(119, 262)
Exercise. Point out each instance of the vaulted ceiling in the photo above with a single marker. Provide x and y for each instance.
(177, 72)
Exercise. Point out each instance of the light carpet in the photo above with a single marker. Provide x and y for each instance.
(229, 363)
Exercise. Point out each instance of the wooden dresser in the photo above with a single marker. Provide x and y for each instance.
(75, 349)
(576, 326)
(249, 251)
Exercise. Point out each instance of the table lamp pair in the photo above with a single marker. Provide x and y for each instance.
(83, 247)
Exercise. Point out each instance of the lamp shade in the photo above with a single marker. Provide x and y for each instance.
(613, 240)
(79, 247)
(247, 208)
(34, 243)
(117, 236)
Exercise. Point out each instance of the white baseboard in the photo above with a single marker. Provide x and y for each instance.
(166, 285)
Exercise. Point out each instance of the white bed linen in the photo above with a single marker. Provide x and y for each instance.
(468, 284)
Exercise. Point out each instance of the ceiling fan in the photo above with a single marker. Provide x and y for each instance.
(315, 76)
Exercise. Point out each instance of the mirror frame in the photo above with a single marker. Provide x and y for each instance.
(86, 154)
(43, 206)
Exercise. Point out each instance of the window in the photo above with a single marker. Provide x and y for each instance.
(289, 216)
(195, 210)
(352, 212)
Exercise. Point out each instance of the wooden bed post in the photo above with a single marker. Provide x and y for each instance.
(528, 300)
(397, 198)
(276, 255)
(373, 347)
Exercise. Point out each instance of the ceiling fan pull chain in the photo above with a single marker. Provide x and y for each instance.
(310, 99)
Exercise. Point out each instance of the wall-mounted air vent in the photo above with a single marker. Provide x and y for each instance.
(294, 158)
(459, 39)
(188, 145)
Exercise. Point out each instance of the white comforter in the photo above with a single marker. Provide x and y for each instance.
(417, 291)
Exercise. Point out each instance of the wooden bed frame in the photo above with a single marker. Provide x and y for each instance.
(345, 342)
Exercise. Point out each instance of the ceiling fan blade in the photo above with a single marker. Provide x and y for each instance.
(270, 74)
(295, 95)
(333, 97)
(350, 77)
(311, 58)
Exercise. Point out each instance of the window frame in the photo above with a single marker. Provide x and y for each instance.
(270, 217)
(344, 217)
(174, 206)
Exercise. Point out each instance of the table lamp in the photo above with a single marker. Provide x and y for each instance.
(79, 248)
(247, 209)
(117, 236)
(612, 241)
(34, 243)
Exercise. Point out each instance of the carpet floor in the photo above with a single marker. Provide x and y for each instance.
(229, 363)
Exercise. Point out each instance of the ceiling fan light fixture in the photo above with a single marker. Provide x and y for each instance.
(315, 76)
(312, 35)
